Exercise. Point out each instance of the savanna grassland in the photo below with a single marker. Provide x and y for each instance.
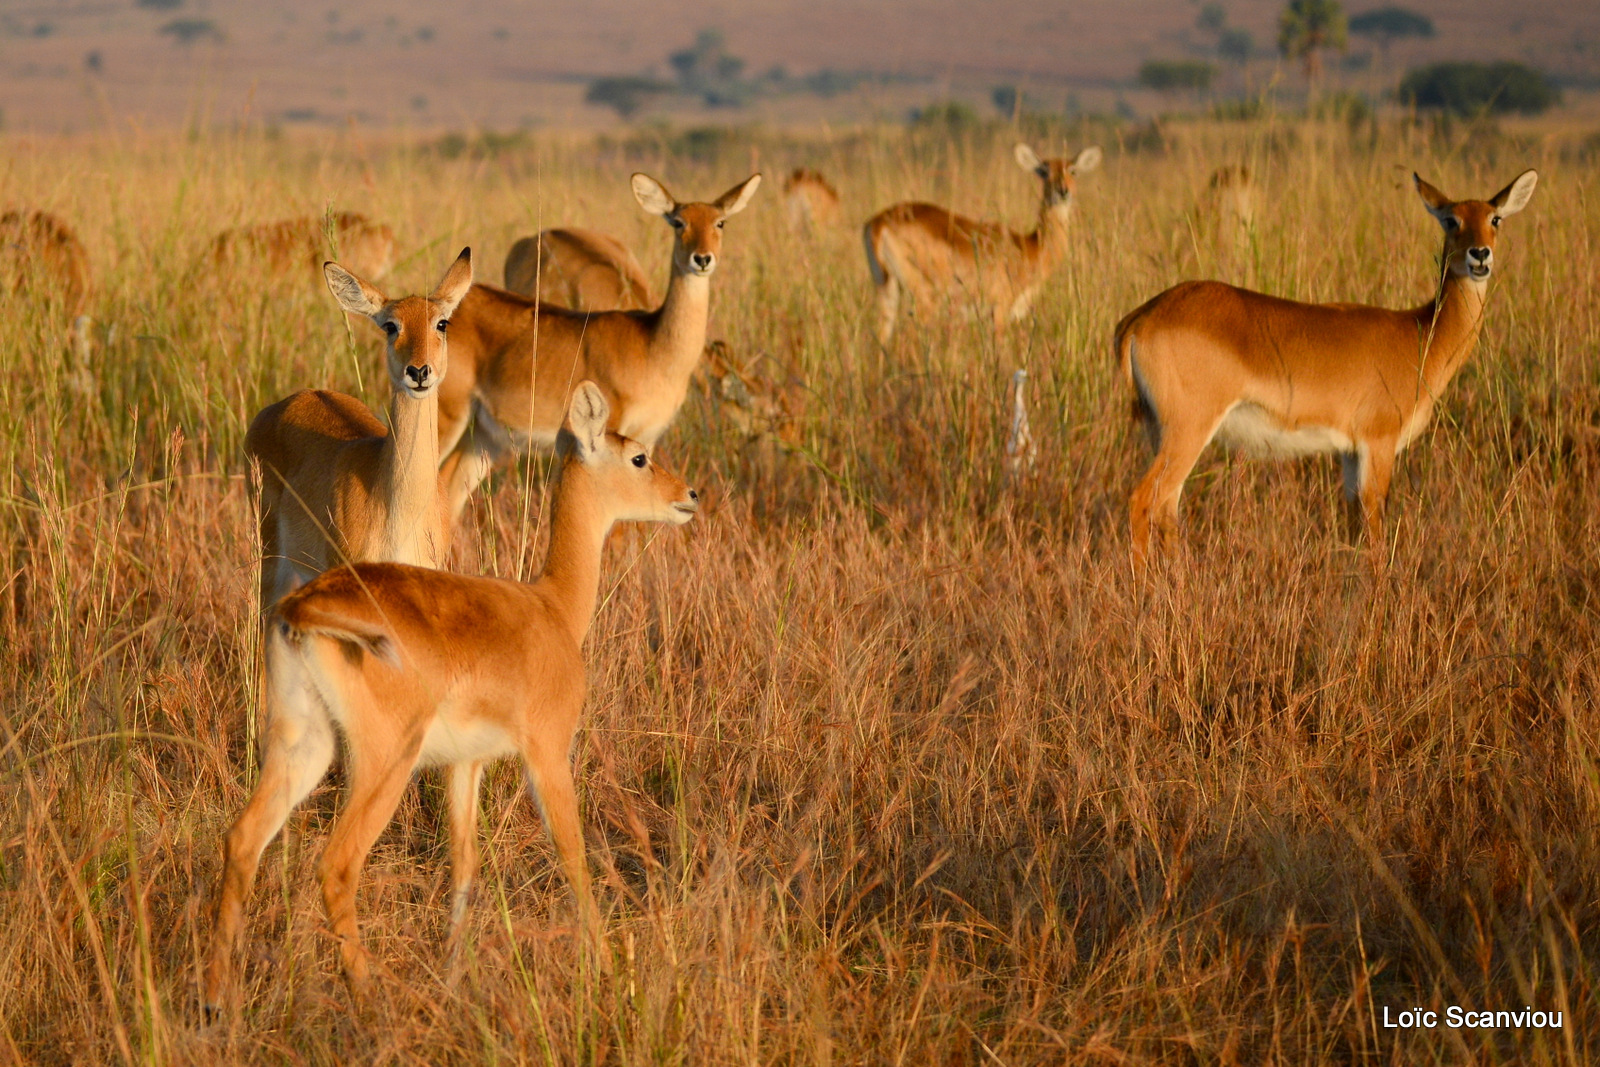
(887, 759)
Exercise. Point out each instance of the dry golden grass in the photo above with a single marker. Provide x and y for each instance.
(884, 762)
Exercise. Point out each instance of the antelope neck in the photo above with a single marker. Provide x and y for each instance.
(1448, 328)
(578, 526)
(1050, 235)
(681, 321)
(408, 481)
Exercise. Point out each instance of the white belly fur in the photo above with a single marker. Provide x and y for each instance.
(450, 742)
(1252, 429)
(502, 439)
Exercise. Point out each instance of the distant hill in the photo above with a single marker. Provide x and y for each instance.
(72, 64)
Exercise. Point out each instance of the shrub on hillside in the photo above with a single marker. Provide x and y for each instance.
(1236, 46)
(1170, 75)
(1476, 88)
(625, 96)
(188, 31)
(1390, 23)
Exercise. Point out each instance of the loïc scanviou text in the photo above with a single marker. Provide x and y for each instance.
(1459, 1018)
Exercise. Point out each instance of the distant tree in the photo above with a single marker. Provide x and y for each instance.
(707, 70)
(625, 96)
(160, 5)
(1236, 46)
(1171, 75)
(188, 31)
(1387, 24)
(1478, 88)
(1309, 27)
(1212, 18)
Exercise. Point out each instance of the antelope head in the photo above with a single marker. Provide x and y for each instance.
(1470, 226)
(697, 228)
(413, 325)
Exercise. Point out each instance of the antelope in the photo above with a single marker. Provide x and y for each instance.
(759, 398)
(810, 202)
(928, 250)
(419, 667)
(337, 484)
(578, 269)
(290, 245)
(41, 254)
(1232, 195)
(516, 361)
(1279, 378)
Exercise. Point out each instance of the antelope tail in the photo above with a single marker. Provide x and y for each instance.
(300, 617)
(1125, 343)
(874, 260)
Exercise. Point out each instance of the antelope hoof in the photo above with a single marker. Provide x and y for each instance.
(357, 971)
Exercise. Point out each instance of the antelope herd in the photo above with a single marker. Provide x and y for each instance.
(365, 635)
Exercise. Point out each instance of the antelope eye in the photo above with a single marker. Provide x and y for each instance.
(677, 223)
(392, 328)
(1452, 224)
(641, 460)
(719, 223)
(442, 325)
(1495, 222)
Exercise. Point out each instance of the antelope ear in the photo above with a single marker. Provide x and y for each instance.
(1028, 159)
(455, 283)
(1438, 204)
(652, 195)
(1514, 197)
(586, 419)
(354, 295)
(1087, 160)
(734, 200)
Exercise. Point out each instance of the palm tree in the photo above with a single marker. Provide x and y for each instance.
(1306, 27)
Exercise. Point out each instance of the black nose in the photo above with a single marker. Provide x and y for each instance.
(419, 376)
(1480, 254)
(703, 260)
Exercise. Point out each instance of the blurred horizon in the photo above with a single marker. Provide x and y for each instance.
(88, 64)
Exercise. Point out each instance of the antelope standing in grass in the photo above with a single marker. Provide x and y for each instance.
(929, 251)
(291, 245)
(1222, 221)
(1283, 378)
(515, 361)
(417, 667)
(1231, 196)
(337, 484)
(578, 269)
(810, 202)
(40, 254)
